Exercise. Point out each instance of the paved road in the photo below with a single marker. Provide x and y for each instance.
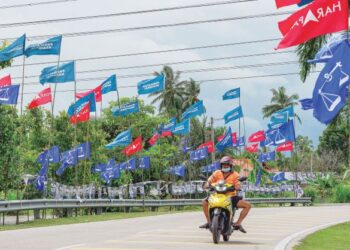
(266, 227)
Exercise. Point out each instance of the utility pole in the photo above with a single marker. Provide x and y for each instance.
(212, 138)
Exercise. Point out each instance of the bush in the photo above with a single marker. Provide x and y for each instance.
(342, 193)
(310, 192)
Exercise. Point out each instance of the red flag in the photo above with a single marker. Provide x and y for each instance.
(287, 146)
(134, 147)
(257, 136)
(5, 81)
(166, 133)
(318, 18)
(41, 98)
(209, 145)
(97, 91)
(252, 148)
(154, 139)
(82, 116)
(234, 137)
(283, 3)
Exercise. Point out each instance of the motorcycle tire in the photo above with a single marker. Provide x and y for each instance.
(216, 229)
(226, 237)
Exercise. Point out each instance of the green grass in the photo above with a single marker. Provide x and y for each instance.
(94, 218)
(333, 238)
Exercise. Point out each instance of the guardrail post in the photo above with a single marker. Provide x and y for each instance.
(17, 217)
(99, 211)
(36, 214)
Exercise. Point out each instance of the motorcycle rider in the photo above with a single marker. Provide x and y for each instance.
(231, 177)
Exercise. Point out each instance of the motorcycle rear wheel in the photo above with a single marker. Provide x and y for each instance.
(216, 229)
(226, 237)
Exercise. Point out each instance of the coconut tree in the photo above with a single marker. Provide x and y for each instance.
(279, 101)
(192, 90)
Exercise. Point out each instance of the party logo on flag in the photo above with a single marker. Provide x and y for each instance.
(225, 142)
(287, 146)
(257, 136)
(126, 109)
(15, 49)
(233, 114)
(144, 162)
(9, 94)
(232, 94)
(63, 73)
(193, 111)
(199, 154)
(151, 85)
(109, 85)
(122, 139)
(269, 156)
(81, 114)
(81, 103)
(252, 148)
(43, 97)
(49, 47)
(182, 128)
(134, 147)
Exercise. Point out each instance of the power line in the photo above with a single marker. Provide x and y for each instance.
(153, 52)
(34, 4)
(108, 31)
(70, 19)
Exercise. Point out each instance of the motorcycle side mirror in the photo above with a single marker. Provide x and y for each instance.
(243, 178)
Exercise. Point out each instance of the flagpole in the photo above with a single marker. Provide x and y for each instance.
(75, 125)
(55, 88)
(101, 107)
(22, 90)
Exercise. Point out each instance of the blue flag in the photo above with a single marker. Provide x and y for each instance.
(9, 94)
(53, 155)
(328, 50)
(40, 183)
(68, 158)
(232, 94)
(240, 142)
(199, 154)
(193, 111)
(169, 126)
(109, 85)
(44, 165)
(177, 170)
(184, 145)
(277, 119)
(331, 93)
(304, 2)
(15, 49)
(211, 168)
(258, 177)
(128, 165)
(122, 139)
(182, 128)
(81, 103)
(151, 85)
(278, 177)
(306, 104)
(225, 142)
(233, 114)
(83, 151)
(144, 162)
(49, 47)
(282, 134)
(61, 74)
(126, 109)
(269, 156)
(99, 168)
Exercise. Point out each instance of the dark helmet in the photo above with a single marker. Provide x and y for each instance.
(226, 160)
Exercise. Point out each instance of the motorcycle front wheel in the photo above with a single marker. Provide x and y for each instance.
(216, 228)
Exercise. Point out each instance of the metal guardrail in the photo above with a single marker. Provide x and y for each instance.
(8, 206)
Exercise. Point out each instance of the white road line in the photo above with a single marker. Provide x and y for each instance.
(69, 247)
(283, 244)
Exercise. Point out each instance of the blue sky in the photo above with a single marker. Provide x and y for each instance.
(255, 92)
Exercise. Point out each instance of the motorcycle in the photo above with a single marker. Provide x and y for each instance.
(220, 210)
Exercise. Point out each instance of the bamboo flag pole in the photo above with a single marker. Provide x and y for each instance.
(22, 89)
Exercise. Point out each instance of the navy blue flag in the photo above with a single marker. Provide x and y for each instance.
(327, 51)
(169, 126)
(304, 2)
(177, 170)
(45, 165)
(68, 158)
(278, 177)
(109, 85)
(258, 177)
(330, 93)
(83, 151)
(193, 111)
(211, 168)
(53, 154)
(144, 162)
(277, 136)
(240, 142)
(61, 74)
(269, 156)
(232, 94)
(128, 165)
(225, 142)
(233, 114)
(126, 109)
(99, 168)
(15, 49)
(182, 128)
(199, 154)
(81, 103)
(151, 85)
(306, 103)
(184, 145)
(122, 139)
(49, 47)
(40, 183)
(9, 94)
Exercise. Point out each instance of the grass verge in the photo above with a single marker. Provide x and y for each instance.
(332, 238)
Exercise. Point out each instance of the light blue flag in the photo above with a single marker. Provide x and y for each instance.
(194, 110)
(169, 126)
(49, 47)
(126, 109)
(15, 49)
(277, 119)
(151, 85)
(289, 110)
(122, 139)
(182, 128)
(109, 85)
(9, 94)
(80, 104)
(225, 142)
(232, 94)
(64, 73)
(233, 114)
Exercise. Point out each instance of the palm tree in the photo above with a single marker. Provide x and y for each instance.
(279, 101)
(172, 97)
(192, 90)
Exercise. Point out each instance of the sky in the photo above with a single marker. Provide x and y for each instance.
(255, 92)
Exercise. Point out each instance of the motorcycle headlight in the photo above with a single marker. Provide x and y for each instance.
(221, 188)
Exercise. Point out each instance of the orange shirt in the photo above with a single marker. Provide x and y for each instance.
(231, 179)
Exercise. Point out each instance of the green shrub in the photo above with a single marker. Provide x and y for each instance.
(342, 193)
(310, 192)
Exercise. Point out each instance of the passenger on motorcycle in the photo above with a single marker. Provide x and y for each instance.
(231, 177)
